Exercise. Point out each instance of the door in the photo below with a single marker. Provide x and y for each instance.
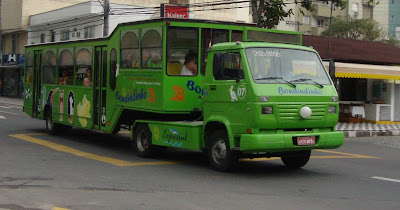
(100, 87)
(37, 82)
(227, 93)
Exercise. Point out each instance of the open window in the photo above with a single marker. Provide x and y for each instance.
(182, 45)
(29, 67)
(65, 68)
(113, 69)
(84, 69)
(49, 68)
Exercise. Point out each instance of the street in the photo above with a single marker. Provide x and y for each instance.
(91, 170)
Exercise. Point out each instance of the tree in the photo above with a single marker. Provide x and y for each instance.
(268, 13)
(353, 28)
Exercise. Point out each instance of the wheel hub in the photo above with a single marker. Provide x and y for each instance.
(219, 151)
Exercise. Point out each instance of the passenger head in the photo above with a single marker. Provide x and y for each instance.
(191, 62)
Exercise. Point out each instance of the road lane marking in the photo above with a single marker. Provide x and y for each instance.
(386, 179)
(59, 208)
(348, 154)
(9, 112)
(92, 156)
(9, 107)
(341, 156)
(1, 117)
(124, 132)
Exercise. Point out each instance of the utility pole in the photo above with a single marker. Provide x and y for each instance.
(330, 28)
(106, 10)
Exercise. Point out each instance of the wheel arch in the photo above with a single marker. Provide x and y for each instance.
(217, 123)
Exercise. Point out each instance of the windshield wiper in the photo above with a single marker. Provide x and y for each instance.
(304, 79)
(265, 78)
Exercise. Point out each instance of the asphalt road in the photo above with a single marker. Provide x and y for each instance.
(91, 170)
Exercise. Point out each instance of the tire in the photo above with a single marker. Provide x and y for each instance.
(219, 153)
(296, 160)
(52, 128)
(142, 141)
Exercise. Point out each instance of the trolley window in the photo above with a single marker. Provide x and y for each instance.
(29, 67)
(152, 49)
(129, 50)
(49, 68)
(65, 68)
(182, 45)
(83, 63)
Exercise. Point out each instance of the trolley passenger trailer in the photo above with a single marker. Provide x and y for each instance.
(253, 93)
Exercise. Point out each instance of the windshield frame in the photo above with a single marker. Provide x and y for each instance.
(282, 81)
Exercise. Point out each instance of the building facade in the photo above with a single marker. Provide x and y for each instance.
(38, 21)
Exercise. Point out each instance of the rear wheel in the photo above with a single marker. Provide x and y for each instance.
(52, 128)
(296, 160)
(219, 152)
(142, 141)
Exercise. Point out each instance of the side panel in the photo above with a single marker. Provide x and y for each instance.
(179, 135)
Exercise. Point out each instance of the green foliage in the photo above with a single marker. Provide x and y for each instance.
(353, 28)
(268, 13)
(393, 41)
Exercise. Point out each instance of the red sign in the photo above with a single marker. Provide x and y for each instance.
(172, 11)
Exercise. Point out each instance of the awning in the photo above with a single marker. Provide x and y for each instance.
(365, 71)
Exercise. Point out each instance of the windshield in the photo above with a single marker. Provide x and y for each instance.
(277, 65)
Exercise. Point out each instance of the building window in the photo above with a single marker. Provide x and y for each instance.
(392, 18)
(52, 36)
(64, 35)
(320, 23)
(392, 1)
(14, 42)
(306, 20)
(89, 32)
(42, 38)
(355, 7)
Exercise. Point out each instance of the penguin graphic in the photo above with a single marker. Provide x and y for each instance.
(71, 106)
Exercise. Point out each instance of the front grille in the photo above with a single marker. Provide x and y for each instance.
(292, 111)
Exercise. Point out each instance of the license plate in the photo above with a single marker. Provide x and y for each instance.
(306, 140)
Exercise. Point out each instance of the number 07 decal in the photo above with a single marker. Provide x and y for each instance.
(241, 91)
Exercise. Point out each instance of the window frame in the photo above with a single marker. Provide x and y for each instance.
(59, 65)
(78, 66)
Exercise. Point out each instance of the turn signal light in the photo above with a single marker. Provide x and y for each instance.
(332, 110)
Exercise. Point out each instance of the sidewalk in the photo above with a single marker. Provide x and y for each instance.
(12, 101)
(349, 129)
(368, 129)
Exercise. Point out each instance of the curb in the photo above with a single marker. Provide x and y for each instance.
(354, 134)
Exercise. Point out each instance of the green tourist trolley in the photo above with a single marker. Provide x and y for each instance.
(229, 89)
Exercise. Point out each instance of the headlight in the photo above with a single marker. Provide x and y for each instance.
(264, 98)
(334, 99)
(332, 110)
(267, 110)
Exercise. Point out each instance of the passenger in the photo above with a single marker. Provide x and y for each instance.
(155, 62)
(65, 79)
(190, 65)
(87, 82)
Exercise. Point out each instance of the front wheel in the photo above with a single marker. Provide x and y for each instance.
(296, 160)
(219, 153)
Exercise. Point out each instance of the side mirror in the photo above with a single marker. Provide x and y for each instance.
(332, 69)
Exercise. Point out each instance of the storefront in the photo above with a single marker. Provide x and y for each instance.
(11, 81)
(368, 93)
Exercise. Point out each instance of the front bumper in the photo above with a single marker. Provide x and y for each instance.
(283, 141)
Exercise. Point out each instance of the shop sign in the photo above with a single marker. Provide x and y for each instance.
(174, 11)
